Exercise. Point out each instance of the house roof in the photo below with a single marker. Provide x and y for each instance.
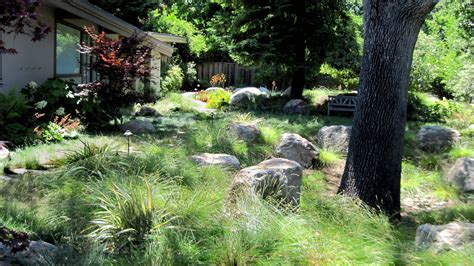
(86, 10)
(168, 38)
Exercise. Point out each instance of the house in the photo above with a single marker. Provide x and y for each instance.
(56, 55)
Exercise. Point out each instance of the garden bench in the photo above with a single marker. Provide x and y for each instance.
(342, 102)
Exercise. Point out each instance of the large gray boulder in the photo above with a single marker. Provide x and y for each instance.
(296, 148)
(245, 96)
(4, 158)
(296, 106)
(147, 111)
(436, 138)
(334, 138)
(245, 131)
(461, 174)
(138, 127)
(38, 253)
(444, 237)
(223, 160)
(277, 178)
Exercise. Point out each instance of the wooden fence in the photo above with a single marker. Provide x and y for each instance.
(236, 75)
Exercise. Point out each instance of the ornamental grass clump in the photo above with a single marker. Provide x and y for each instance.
(127, 214)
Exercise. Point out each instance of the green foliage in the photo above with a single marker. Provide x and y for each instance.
(127, 215)
(423, 108)
(173, 80)
(53, 133)
(167, 20)
(15, 118)
(328, 158)
(218, 99)
(442, 56)
(341, 78)
(55, 97)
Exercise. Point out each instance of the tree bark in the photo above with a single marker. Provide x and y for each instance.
(299, 74)
(373, 167)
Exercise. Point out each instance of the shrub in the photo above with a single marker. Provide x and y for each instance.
(218, 99)
(55, 97)
(173, 80)
(59, 129)
(421, 108)
(15, 119)
(120, 64)
(127, 215)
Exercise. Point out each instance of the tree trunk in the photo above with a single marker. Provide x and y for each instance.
(299, 74)
(373, 167)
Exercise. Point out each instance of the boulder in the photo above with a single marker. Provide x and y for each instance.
(37, 253)
(243, 97)
(264, 90)
(147, 111)
(296, 106)
(223, 160)
(4, 154)
(436, 138)
(245, 131)
(442, 237)
(138, 127)
(278, 178)
(461, 174)
(296, 148)
(334, 138)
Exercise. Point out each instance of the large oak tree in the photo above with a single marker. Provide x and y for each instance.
(373, 167)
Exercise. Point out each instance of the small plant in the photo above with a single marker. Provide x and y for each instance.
(328, 158)
(15, 119)
(127, 215)
(218, 80)
(88, 150)
(202, 96)
(218, 99)
(59, 129)
(173, 80)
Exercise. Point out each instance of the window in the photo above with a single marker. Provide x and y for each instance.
(67, 56)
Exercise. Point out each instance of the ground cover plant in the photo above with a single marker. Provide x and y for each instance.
(155, 206)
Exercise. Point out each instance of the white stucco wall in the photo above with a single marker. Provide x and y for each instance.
(34, 61)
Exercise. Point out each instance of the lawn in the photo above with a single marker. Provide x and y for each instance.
(100, 205)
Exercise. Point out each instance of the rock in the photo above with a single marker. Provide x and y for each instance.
(147, 111)
(296, 148)
(243, 97)
(296, 106)
(4, 154)
(436, 138)
(334, 138)
(442, 237)
(138, 127)
(264, 90)
(224, 160)
(38, 253)
(461, 174)
(245, 131)
(278, 178)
